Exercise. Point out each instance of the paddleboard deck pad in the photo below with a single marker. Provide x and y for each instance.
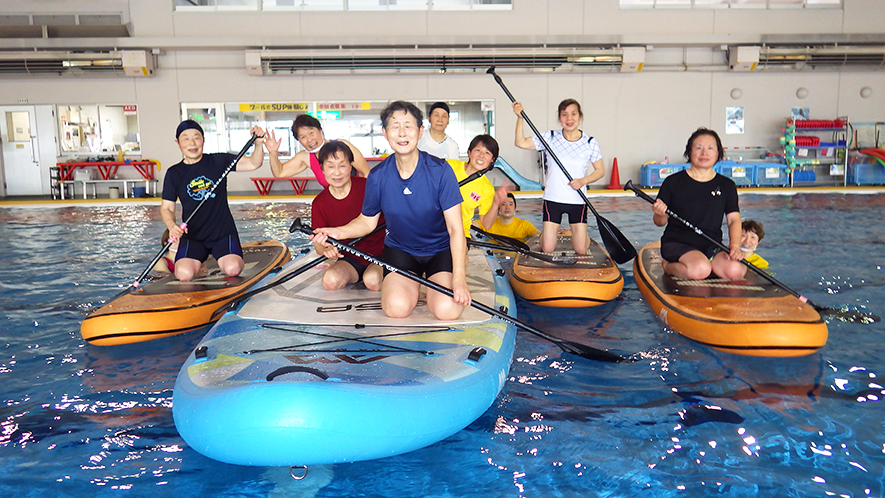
(298, 375)
(593, 280)
(166, 307)
(750, 317)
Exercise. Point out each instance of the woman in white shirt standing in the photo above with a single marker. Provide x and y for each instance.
(437, 143)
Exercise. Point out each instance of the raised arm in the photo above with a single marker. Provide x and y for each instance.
(254, 161)
(522, 141)
(292, 167)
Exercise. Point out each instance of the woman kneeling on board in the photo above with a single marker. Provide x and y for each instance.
(703, 197)
(419, 196)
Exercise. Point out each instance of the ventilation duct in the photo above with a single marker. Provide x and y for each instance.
(834, 57)
(427, 61)
(77, 64)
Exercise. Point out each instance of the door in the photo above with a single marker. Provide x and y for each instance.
(21, 152)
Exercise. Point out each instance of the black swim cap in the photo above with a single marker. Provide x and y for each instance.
(188, 124)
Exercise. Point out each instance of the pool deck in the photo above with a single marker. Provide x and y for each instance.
(246, 198)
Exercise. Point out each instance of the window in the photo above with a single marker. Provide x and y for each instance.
(98, 129)
(733, 4)
(333, 5)
(226, 125)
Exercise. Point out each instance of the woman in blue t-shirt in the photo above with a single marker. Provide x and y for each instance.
(419, 196)
(701, 196)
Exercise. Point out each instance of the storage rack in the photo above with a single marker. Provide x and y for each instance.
(806, 154)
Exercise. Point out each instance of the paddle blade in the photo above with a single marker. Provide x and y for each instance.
(618, 247)
(848, 315)
(591, 353)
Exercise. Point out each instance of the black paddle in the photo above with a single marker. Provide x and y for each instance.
(567, 346)
(562, 260)
(510, 241)
(314, 262)
(206, 196)
(844, 315)
(615, 242)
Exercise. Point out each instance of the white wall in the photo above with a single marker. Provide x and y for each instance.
(636, 117)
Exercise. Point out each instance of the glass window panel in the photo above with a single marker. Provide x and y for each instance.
(322, 4)
(673, 3)
(711, 4)
(833, 3)
(637, 3)
(785, 3)
(98, 129)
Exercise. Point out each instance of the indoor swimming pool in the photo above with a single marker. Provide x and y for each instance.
(684, 420)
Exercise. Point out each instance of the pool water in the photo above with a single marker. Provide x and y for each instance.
(685, 420)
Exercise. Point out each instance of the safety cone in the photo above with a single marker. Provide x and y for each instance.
(616, 179)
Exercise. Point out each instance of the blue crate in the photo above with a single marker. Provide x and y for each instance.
(743, 174)
(653, 175)
(771, 175)
(866, 174)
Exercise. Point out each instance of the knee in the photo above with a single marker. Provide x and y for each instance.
(232, 270)
(699, 272)
(372, 281)
(183, 274)
(332, 281)
(736, 271)
(449, 311)
(397, 308)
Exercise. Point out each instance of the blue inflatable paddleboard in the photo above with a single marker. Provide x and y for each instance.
(298, 375)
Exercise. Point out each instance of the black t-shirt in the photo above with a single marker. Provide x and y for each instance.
(703, 204)
(190, 183)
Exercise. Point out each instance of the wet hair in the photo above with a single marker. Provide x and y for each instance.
(438, 105)
(704, 131)
(401, 106)
(305, 121)
(510, 195)
(564, 105)
(333, 148)
(486, 141)
(753, 226)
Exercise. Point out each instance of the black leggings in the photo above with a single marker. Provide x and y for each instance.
(425, 266)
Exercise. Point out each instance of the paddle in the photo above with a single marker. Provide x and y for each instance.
(844, 315)
(567, 346)
(206, 196)
(617, 245)
(503, 239)
(563, 260)
(314, 262)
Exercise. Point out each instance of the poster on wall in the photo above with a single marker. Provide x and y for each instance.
(734, 120)
(799, 113)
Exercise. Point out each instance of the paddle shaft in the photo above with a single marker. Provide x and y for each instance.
(621, 250)
(720, 245)
(206, 197)
(537, 255)
(518, 244)
(565, 345)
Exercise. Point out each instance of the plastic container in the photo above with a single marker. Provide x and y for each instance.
(743, 174)
(653, 175)
(139, 192)
(771, 175)
(866, 174)
(114, 192)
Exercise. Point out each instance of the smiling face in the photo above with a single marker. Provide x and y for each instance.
(507, 209)
(749, 240)
(402, 132)
(704, 152)
(570, 118)
(479, 157)
(439, 120)
(310, 138)
(190, 142)
(337, 170)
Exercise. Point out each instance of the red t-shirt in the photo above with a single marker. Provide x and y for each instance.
(327, 211)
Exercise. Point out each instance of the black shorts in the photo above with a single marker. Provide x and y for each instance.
(672, 251)
(358, 264)
(423, 266)
(553, 211)
(200, 250)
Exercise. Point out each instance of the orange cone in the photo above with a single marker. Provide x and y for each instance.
(616, 179)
